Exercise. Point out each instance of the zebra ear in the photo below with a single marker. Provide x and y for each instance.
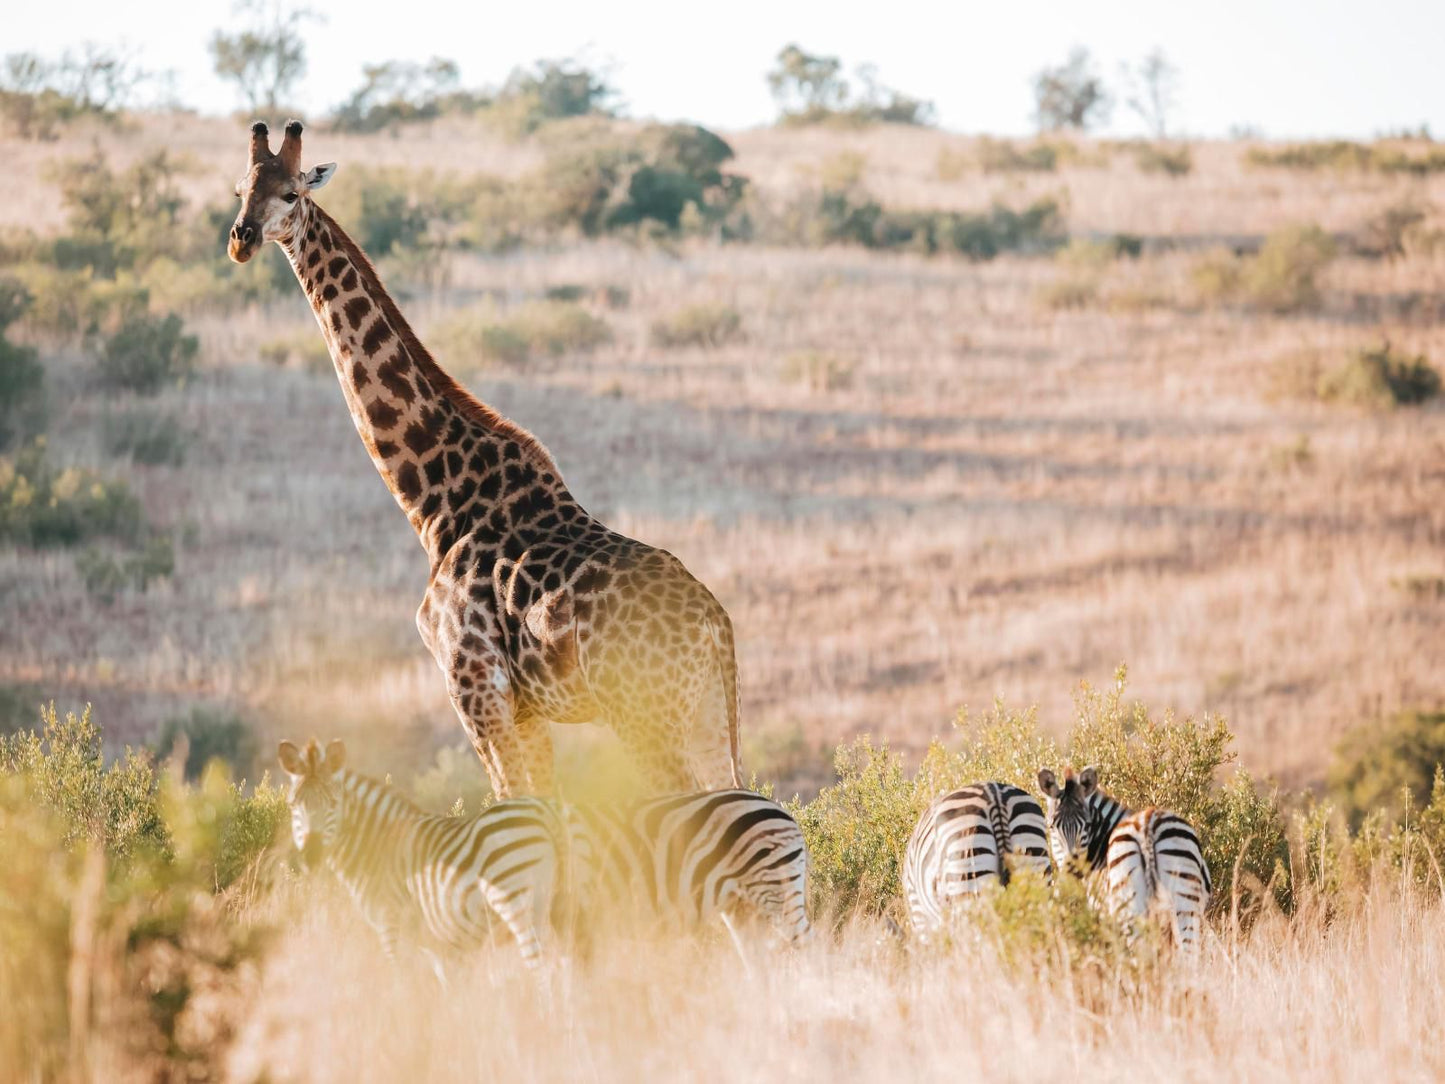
(1047, 783)
(1088, 781)
(335, 757)
(290, 758)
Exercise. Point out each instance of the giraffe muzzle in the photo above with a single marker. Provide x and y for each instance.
(242, 245)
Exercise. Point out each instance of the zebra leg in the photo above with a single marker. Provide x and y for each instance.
(1127, 889)
(525, 909)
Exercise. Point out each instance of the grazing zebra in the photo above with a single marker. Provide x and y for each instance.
(510, 861)
(533, 861)
(964, 841)
(689, 857)
(1151, 855)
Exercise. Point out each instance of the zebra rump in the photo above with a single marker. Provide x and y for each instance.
(965, 841)
(686, 858)
(1155, 858)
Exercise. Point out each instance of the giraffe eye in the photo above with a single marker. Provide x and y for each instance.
(291, 197)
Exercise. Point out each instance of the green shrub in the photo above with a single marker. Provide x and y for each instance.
(1342, 154)
(705, 325)
(1378, 762)
(539, 328)
(1171, 161)
(551, 90)
(1283, 277)
(146, 353)
(108, 896)
(305, 350)
(205, 734)
(118, 221)
(400, 92)
(1380, 378)
(1216, 276)
(22, 379)
(820, 370)
(42, 506)
(856, 830)
(149, 438)
(1387, 233)
(76, 304)
(1005, 156)
(106, 574)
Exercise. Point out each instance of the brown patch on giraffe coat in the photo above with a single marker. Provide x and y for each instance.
(383, 415)
(355, 309)
(392, 374)
(329, 294)
(377, 336)
(408, 481)
(348, 281)
(336, 265)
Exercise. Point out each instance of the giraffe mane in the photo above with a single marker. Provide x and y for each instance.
(446, 385)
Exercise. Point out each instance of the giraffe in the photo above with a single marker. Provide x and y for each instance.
(535, 612)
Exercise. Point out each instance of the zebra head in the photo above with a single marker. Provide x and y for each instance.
(313, 795)
(1071, 815)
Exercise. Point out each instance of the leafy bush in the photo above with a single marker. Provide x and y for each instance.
(857, 829)
(698, 325)
(304, 350)
(152, 439)
(1376, 764)
(1380, 377)
(1385, 234)
(203, 735)
(548, 91)
(108, 898)
(401, 92)
(1158, 158)
(820, 370)
(1283, 277)
(38, 95)
(548, 328)
(118, 220)
(106, 574)
(662, 177)
(1005, 156)
(43, 506)
(147, 353)
(1343, 154)
(22, 380)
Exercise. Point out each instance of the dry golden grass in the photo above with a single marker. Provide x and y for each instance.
(1300, 999)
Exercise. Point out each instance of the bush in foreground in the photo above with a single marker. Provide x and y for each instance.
(1380, 378)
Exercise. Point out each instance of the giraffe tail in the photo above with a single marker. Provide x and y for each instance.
(721, 630)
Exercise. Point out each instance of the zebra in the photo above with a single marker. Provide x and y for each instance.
(537, 863)
(511, 861)
(965, 841)
(1151, 855)
(687, 858)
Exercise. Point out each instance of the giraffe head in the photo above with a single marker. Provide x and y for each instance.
(313, 794)
(1070, 814)
(271, 191)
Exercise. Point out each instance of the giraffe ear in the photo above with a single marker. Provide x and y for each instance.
(317, 176)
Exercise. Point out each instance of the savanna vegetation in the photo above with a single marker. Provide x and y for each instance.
(942, 420)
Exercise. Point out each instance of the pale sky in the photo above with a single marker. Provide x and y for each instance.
(1291, 68)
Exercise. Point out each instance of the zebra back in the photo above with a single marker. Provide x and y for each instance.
(964, 841)
(691, 856)
(1155, 858)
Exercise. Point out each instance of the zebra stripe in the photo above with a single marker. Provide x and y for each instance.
(964, 842)
(689, 857)
(510, 861)
(1152, 856)
(1155, 856)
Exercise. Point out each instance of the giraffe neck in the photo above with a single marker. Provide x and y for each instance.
(450, 461)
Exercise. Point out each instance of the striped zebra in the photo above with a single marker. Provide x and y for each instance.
(687, 858)
(968, 840)
(1151, 856)
(537, 862)
(511, 861)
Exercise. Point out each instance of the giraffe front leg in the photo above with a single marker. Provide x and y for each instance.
(535, 735)
(482, 694)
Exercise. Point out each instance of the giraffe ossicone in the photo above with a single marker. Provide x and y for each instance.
(535, 612)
